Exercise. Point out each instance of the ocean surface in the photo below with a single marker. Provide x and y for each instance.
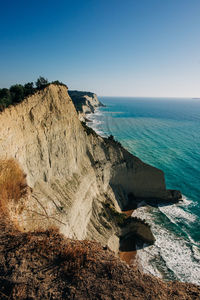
(166, 134)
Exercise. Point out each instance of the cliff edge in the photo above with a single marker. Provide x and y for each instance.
(79, 182)
(59, 183)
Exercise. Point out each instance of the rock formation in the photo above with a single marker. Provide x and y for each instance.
(79, 181)
(84, 102)
(76, 183)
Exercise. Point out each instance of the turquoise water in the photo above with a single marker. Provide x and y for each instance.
(166, 134)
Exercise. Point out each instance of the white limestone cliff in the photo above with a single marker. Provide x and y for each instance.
(85, 103)
(72, 173)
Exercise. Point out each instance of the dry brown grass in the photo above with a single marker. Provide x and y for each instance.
(12, 182)
(71, 257)
(46, 265)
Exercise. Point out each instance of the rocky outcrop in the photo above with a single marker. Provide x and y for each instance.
(72, 173)
(85, 103)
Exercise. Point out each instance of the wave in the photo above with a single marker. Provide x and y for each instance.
(175, 254)
(172, 257)
(176, 212)
(95, 122)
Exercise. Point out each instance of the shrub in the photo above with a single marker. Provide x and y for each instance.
(111, 138)
(41, 83)
(29, 89)
(70, 257)
(113, 214)
(57, 82)
(88, 129)
(73, 258)
(17, 93)
(12, 182)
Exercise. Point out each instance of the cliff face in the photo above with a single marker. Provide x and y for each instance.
(72, 174)
(84, 102)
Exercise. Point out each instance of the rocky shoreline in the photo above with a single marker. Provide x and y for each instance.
(78, 183)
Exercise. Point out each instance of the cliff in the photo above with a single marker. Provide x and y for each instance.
(84, 102)
(72, 173)
(58, 177)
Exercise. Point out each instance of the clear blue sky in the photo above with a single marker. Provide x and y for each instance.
(111, 47)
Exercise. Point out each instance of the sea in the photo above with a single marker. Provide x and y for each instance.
(165, 133)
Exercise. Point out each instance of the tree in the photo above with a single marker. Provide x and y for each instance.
(4, 93)
(111, 138)
(5, 98)
(41, 83)
(17, 92)
(29, 89)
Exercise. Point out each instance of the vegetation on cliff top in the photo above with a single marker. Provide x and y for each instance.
(88, 129)
(79, 99)
(18, 92)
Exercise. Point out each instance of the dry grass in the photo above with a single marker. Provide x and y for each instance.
(12, 182)
(45, 265)
(69, 257)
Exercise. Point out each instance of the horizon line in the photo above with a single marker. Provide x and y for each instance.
(117, 96)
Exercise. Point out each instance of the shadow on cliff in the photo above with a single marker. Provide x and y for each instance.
(131, 242)
(128, 201)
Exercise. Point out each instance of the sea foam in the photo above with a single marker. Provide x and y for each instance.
(171, 257)
(165, 134)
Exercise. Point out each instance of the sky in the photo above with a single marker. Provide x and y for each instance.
(146, 48)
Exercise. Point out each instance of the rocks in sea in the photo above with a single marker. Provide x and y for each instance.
(176, 196)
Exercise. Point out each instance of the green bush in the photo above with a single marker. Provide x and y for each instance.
(114, 215)
(88, 129)
(17, 93)
(41, 83)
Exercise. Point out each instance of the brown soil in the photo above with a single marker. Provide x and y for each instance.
(45, 265)
(129, 212)
(128, 257)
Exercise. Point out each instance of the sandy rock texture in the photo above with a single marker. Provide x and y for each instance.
(72, 172)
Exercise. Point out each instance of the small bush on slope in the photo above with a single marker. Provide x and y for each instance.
(88, 129)
(12, 182)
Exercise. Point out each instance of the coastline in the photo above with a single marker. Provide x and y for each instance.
(93, 123)
(78, 185)
(167, 258)
(127, 256)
